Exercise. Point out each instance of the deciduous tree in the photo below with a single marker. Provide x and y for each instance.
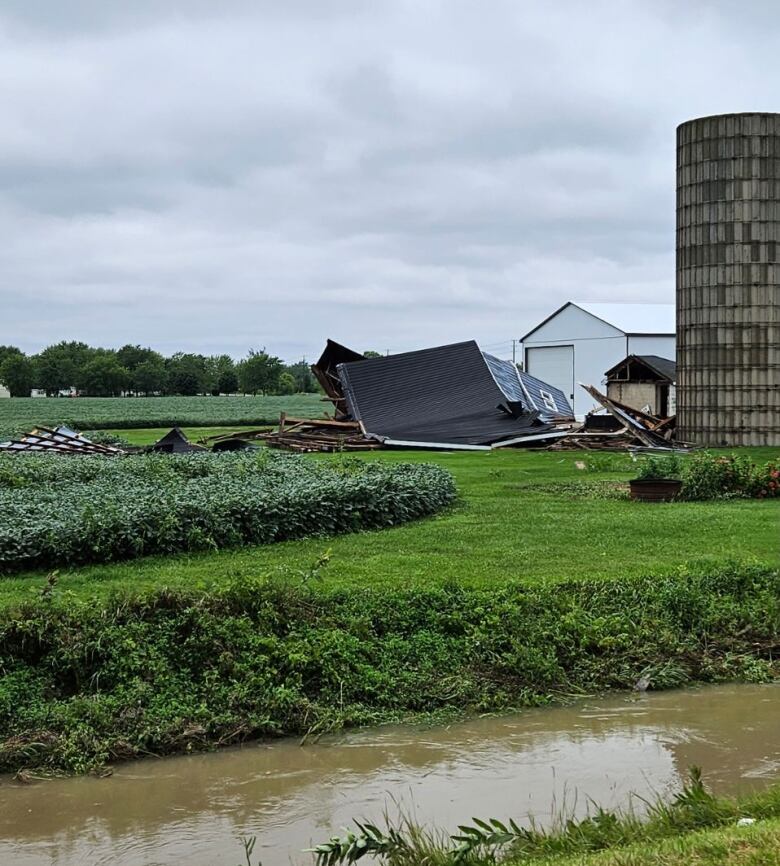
(259, 372)
(16, 373)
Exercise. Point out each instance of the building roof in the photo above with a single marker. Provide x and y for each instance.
(443, 395)
(528, 391)
(662, 367)
(633, 319)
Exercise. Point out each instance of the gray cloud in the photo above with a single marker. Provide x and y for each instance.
(214, 177)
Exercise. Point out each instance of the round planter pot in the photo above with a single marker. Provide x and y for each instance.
(654, 489)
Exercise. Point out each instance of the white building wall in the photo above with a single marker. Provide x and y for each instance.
(4, 392)
(597, 347)
(663, 346)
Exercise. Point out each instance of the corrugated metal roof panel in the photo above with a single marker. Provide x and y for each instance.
(442, 395)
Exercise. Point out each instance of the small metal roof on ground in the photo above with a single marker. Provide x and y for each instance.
(175, 442)
(664, 368)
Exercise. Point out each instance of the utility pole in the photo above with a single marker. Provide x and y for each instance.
(514, 345)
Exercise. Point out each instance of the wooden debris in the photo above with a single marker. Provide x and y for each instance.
(307, 434)
(633, 429)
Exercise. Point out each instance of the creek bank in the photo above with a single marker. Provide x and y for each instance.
(87, 683)
(620, 751)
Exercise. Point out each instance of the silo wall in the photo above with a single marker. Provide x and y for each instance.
(728, 280)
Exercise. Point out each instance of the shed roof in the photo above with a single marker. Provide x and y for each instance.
(633, 319)
(663, 367)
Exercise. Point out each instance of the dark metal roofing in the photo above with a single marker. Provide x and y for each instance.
(444, 395)
(662, 367)
(175, 442)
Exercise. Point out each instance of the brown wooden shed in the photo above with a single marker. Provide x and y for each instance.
(644, 382)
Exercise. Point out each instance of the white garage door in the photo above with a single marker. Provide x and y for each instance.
(554, 365)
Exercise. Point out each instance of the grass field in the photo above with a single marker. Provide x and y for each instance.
(522, 515)
(757, 845)
(98, 413)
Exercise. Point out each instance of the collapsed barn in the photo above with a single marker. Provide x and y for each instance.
(453, 397)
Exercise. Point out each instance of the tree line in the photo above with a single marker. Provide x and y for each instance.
(96, 372)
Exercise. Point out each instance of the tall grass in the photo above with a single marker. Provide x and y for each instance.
(485, 841)
(85, 682)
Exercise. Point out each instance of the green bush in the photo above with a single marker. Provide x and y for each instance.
(87, 682)
(710, 476)
(59, 511)
(660, 467)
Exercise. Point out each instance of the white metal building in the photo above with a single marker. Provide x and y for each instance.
(581, 341)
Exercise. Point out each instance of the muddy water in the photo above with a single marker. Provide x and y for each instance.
(193, 809)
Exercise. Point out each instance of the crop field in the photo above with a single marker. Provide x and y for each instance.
(68, 511)
(19, 414)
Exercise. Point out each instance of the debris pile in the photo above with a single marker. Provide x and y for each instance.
(450, 397)
(58, 440)
(301, 434)
(623, 427)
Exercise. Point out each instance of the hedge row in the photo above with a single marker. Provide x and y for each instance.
(83, 683)
(59, 511)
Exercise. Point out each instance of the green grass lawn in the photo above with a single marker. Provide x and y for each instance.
(503, 528)
(757, 845)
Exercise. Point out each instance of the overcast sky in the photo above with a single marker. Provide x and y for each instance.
(213, 176)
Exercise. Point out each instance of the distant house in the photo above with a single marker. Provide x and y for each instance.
(4, 392)
(644, 382)
(579, 341)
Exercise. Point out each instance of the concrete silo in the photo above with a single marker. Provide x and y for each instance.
(728, 280)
